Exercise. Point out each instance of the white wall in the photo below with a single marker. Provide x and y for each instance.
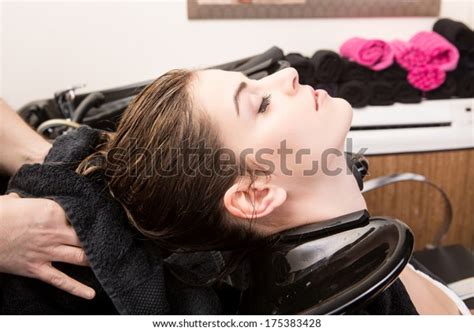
(48, 46)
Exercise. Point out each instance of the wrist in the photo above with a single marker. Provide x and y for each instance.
(37, 153)
(28, 153)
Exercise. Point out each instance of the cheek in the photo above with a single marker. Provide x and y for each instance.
(282, 138)
(335, 122)
(302, 131)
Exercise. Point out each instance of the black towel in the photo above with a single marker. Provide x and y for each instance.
(382, 93)
(355, 92)
(466, 59)
(127, 270)
(354, 71)
(464, 83)
(303, 65)
(457, 33)
(406, 93)
(445, 91)
(392, 73)
(328, 66)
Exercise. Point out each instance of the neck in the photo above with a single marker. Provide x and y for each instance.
(325, 196)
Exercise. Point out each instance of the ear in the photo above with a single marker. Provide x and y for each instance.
(256, 201)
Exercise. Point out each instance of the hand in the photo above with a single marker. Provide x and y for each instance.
(34, 233)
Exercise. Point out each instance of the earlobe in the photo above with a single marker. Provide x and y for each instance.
(253, 202)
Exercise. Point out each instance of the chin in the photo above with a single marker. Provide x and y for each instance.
(341, 118)
(345, 113)
(343, 104)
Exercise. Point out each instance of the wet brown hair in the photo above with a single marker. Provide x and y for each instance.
(182, 211)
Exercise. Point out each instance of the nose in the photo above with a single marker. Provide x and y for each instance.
(287, 80)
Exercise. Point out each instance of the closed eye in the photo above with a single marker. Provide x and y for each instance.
(264, 104)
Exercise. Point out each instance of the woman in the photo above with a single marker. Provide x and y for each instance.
(210, 160)
(234, 121)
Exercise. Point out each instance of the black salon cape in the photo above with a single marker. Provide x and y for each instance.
(126, 270)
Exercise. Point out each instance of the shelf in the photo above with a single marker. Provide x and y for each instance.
(439, 125)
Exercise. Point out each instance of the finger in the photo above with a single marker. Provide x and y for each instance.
(13, 195)
(69, 236)
(69, 254)
(58, 279)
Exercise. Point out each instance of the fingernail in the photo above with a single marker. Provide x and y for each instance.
(90, 294)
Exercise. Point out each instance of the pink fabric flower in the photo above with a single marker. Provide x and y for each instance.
(427, 77)
(372, 53)
(440, 51)
(409, 56)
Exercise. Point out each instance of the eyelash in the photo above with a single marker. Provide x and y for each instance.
(265, 103)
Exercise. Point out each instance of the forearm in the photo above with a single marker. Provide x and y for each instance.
(19, 144)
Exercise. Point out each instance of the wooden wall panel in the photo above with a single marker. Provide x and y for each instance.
(209, 9)
(420, 205)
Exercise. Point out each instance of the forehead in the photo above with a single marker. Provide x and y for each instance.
(214, 87)
(211, 74)
(212, 79)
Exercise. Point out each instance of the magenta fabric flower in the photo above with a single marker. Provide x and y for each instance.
(426, 78)
(439, 50)
(375, 54)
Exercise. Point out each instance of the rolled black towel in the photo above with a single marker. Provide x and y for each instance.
(445, 91)
(392, 73)
(464, 83)
(354, 71)
(355, 92)
(406, 93)
(303, 65)
(382, 93)
(261, 62)
(331, 88)
(259, 75)
(466, 59)
(456, 32)
(327, 66)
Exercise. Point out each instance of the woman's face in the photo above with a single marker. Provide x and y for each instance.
(272, 113)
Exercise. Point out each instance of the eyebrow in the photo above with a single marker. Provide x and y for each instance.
(241, 86)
